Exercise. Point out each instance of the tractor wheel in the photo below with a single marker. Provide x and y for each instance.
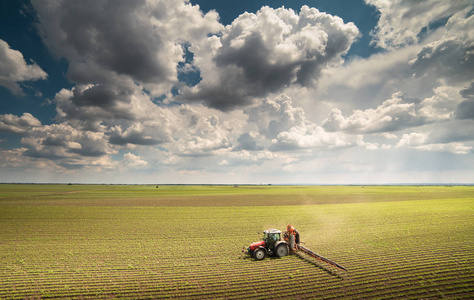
(282, 250)
(259, 254)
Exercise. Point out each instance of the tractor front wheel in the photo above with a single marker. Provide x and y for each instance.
(282, 250)
(259, 254)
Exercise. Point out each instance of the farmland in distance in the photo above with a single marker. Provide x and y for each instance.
(99, 241)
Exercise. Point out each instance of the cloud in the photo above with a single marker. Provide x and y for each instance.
(412, 139)
(263, 53)
(285, 127)
(363, 83)
(137, 134)
(273, 116)
(247, 142)
(139, 40)
(468, 92)
(18, 125)
(13, 158)
(198, 135)
(402, 22)
(14, 69)
(455, 148)
(442, 105)
(309, 138)
(392, 115)
(126, 111)
(450, 57)
(133, 161)
(421, 141)
(418, 141)
(100, 102)
(120, 63)
(16, 162)
(269, 96)
(465, 110)
(443, 57)
(398, 113)
(67, 146)
(454, 130)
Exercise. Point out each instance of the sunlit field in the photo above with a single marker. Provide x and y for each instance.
(100, 241)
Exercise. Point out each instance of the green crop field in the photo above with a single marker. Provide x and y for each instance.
(144, 242)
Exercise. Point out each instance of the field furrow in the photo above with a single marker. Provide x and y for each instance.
(411, 243)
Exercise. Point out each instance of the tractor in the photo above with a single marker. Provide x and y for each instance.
(272, 245)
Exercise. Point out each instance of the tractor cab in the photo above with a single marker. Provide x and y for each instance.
(271, 237)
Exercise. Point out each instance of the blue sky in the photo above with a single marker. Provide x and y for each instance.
(315, 92)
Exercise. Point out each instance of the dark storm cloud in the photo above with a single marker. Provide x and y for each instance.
(223, 97)
(103, 96)
(97, 102)
(106, 34)
(259, 75)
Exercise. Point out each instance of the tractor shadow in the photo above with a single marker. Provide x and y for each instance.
(321, 265)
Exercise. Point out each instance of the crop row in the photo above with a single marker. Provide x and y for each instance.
(101, 252)
(142, 281)
(374, 289)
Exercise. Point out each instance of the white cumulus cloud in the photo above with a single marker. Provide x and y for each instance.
(261, 53)
(133, 161)
(421, 141)
(18, 125)
(392, 115)
(14, 69)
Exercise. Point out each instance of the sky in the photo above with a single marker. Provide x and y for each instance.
(236, 92)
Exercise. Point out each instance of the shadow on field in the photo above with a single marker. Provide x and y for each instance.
(321, 265)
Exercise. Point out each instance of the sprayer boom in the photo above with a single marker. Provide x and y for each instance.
(319, 257)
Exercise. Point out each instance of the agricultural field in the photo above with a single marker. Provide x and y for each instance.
(149, 242)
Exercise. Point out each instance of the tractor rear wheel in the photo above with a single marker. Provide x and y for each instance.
(259, 254)
(282, 250)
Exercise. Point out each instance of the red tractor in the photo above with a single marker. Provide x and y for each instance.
(272, 245)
